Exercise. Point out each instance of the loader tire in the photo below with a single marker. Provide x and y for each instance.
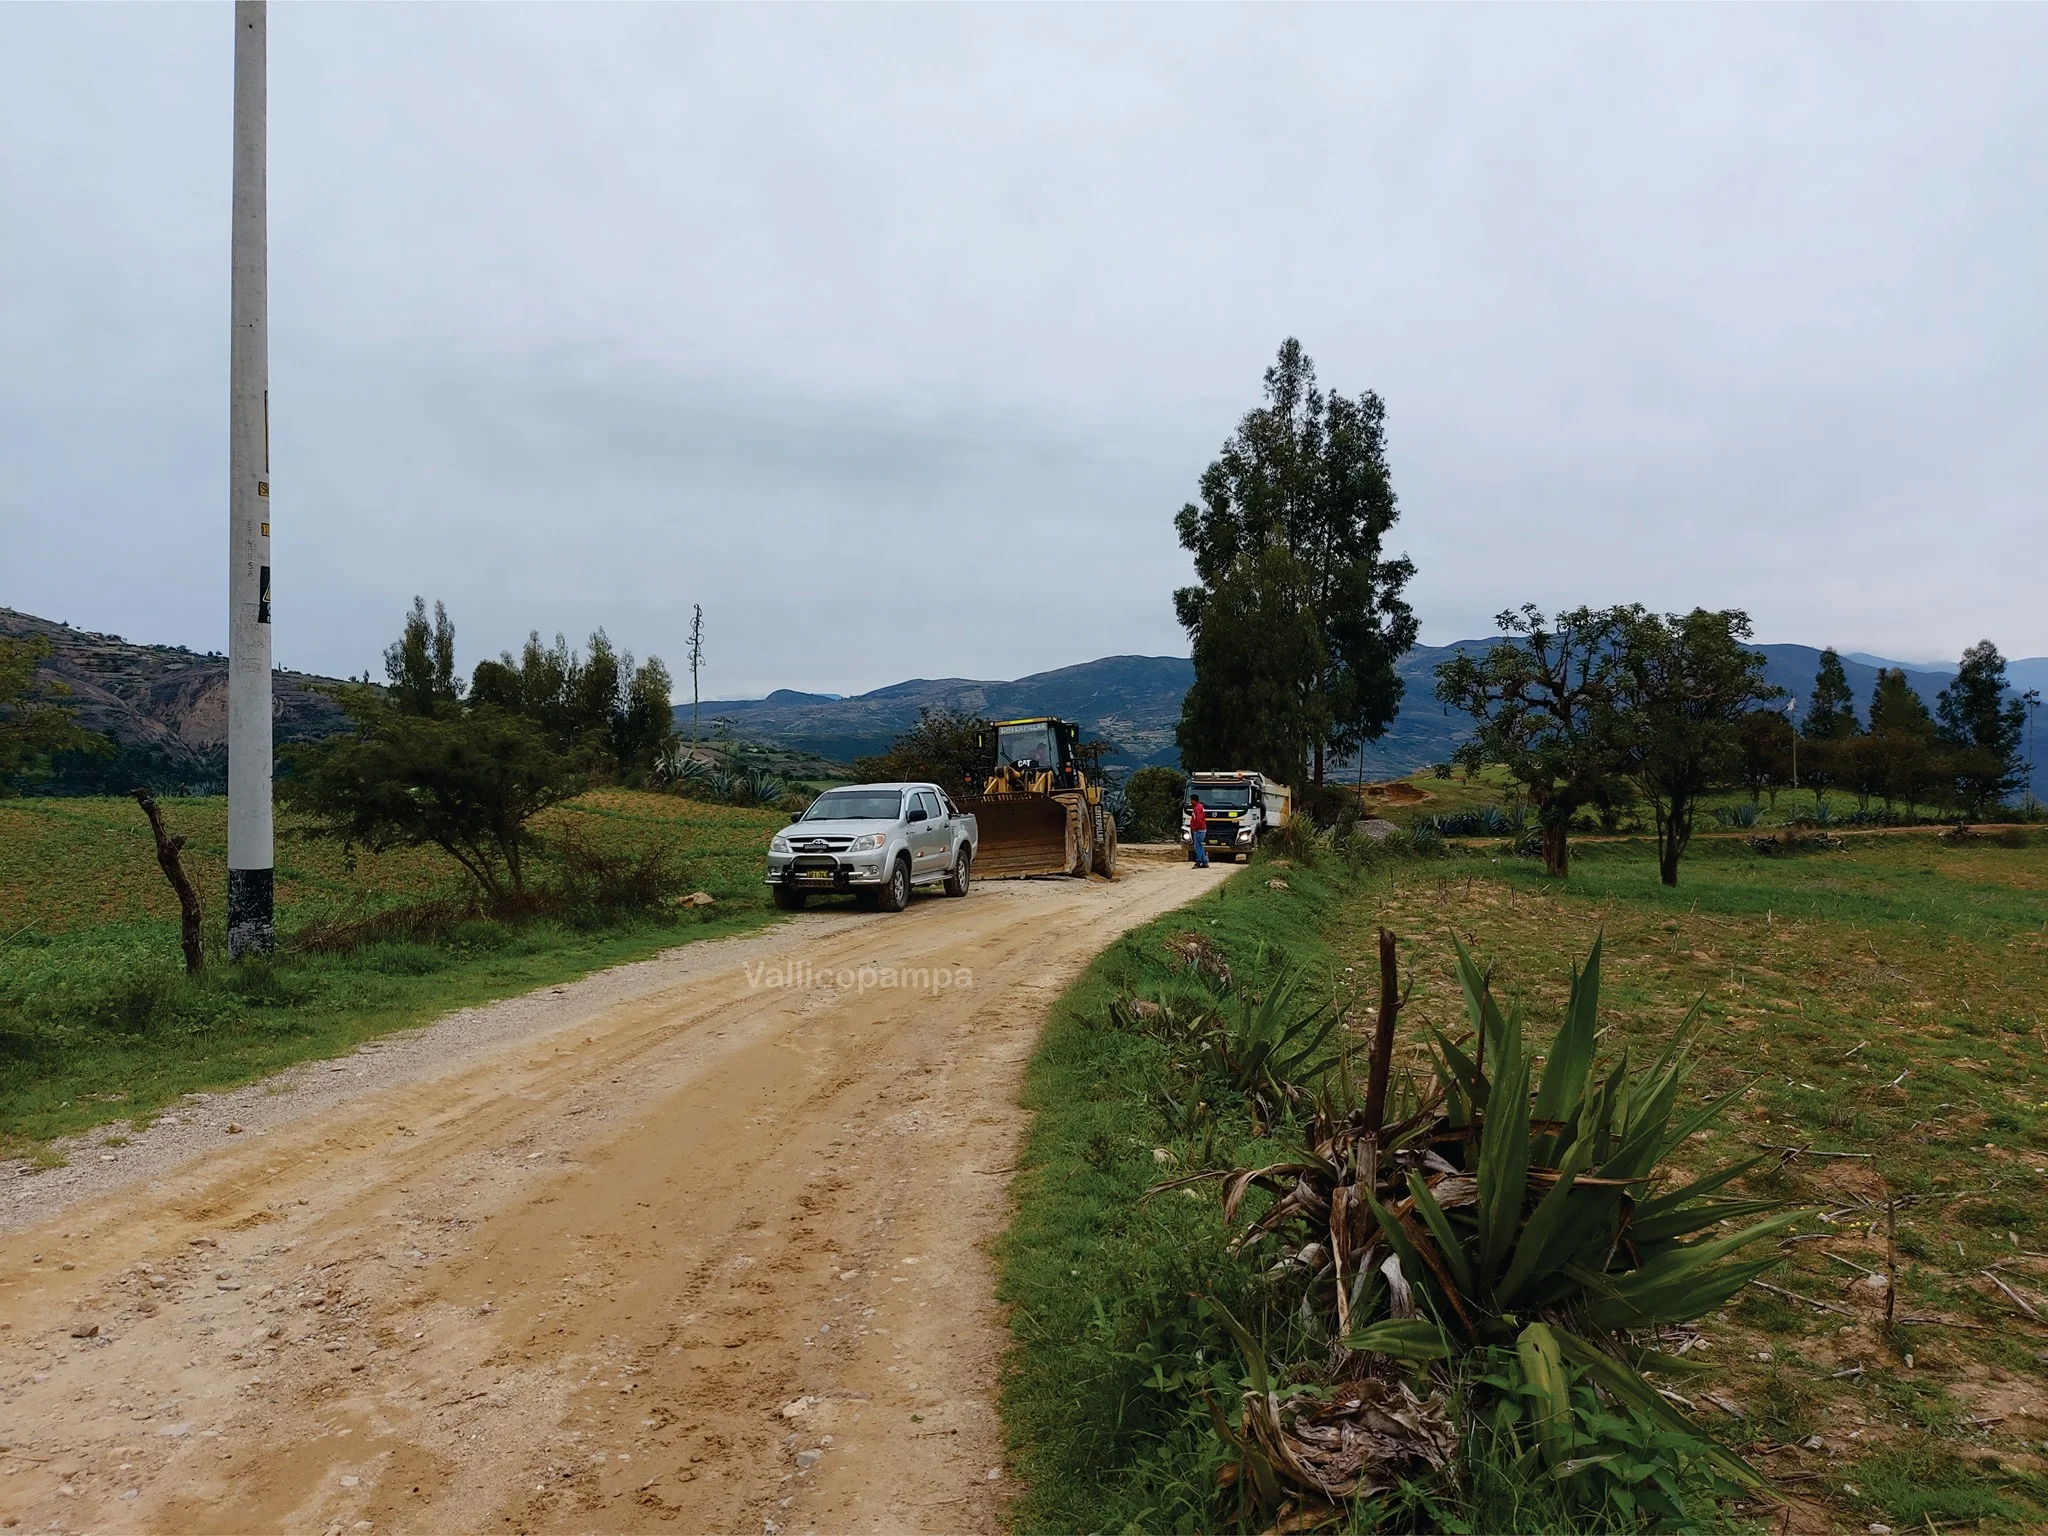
(1105, 848)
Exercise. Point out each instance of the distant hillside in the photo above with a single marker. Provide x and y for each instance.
(1135, 701)
(165, 707)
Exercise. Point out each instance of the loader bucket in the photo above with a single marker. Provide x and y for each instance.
(1023, 835)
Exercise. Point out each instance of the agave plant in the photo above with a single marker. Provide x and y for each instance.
(763, 787)
(679, 768)
(1264, 1040)
(1503, 1209)
(1121, 811)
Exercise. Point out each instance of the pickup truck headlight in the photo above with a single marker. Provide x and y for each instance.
(868, 843)
(778, 845)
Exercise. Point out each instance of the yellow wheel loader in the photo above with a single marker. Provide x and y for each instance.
(1037, 812)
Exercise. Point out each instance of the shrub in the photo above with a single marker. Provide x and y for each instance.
(1327, 805)
(1156, 794)
(592, 884)
(420, 922)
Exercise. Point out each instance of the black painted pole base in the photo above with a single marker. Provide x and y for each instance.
(252, 929)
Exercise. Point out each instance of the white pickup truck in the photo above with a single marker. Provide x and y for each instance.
(876, 841)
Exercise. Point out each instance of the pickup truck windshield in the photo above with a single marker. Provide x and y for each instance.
(1032, 744)
(857, 805)
(1223, 797)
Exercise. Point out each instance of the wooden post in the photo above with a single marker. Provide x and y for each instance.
(1382, 1038)
(167, 850)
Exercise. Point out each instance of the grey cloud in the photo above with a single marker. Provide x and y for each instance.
(583, 314)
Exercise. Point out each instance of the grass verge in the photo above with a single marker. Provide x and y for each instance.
(1102, 1392)
(98, 1022)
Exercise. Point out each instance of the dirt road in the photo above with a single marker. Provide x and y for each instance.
(710, 1260)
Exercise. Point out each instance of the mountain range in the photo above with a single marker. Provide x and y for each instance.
(166, 707)
(1134, 701)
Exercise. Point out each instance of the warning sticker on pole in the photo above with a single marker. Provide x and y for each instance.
(263, 597)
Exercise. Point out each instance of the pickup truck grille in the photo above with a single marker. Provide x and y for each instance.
(819, 844)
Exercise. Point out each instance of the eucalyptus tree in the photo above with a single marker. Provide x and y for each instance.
(1308, 470)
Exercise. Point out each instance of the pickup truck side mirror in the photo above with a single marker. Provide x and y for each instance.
(916, 813)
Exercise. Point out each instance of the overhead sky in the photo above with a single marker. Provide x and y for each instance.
(895, 337)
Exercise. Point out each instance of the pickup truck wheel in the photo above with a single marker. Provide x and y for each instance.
(895, 896)
(789, 900)
(957, 879)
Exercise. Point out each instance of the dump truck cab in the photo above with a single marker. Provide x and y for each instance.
(1242, 806)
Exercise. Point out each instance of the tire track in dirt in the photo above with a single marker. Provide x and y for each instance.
(710, 1260)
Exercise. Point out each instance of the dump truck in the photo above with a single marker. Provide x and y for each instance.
(1242, 805)
(1037, 811)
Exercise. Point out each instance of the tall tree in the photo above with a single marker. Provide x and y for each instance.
(1766, 737)
(1310, 470)
(1897, 759)
(1683, 686)
(1831, 712)
(644, 721)
(1543, 703)
(420, 663)
(35, 724)
(1830, 728)
(1984, 726)
(1256, 652)
(614, 715)
(1894, 706)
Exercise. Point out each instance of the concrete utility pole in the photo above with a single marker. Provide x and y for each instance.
(251, 929)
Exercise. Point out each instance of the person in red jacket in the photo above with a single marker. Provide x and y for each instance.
(1198, 832)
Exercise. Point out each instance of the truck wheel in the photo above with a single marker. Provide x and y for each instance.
(895, 896)
(789, 900)
(956, 880)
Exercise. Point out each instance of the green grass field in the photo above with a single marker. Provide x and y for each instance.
(1423, 794)
(1882, 1007)
(98, 1023)
(1886, 1004)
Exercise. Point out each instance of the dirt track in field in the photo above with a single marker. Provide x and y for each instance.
(711, 1259)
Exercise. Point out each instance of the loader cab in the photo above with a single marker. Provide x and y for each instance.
(1033, 747)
